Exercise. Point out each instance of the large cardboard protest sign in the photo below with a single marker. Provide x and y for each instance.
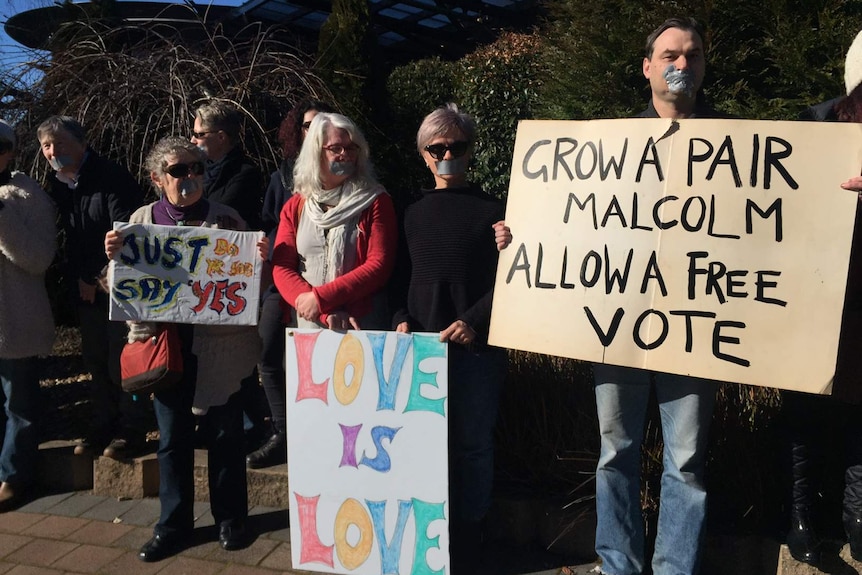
(367, 451)
(185, 274)
(714, 248)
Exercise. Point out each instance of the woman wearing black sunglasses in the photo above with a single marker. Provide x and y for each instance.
(215, 360)
(446, 277)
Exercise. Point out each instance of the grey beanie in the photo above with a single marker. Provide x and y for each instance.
(853, 64)
(7, 134)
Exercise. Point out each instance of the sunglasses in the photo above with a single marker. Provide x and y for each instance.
(200, 135)
(339, 150)
(438, 151)
(185, 170)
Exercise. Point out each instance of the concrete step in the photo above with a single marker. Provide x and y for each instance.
(60, 470)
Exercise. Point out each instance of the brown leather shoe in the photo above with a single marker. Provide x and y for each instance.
(11, 497)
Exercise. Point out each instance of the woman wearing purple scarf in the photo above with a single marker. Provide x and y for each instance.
(211, 376)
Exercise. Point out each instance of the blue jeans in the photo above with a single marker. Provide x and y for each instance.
(20, 382)
(222, 430)
(685, 406)
(475, 381)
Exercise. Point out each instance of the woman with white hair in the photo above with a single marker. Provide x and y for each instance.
(27, 245)
(337, 237)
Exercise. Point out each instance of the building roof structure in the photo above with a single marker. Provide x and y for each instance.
(405, 29)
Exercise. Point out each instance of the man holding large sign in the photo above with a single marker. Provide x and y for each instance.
(675, 251)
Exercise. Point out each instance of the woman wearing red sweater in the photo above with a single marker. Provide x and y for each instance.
(337, 237)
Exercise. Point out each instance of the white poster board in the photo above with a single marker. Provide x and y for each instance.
(185, 274)
(367, 451)
(713, 248)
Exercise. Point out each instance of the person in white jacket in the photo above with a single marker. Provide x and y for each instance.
(27, 246)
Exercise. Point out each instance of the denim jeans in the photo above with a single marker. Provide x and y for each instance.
(475, 381)
(20, 383)
(685, 406)
(271, 328)
(221, 428)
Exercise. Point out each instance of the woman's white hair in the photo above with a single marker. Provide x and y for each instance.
(442, 121)
(306, 171)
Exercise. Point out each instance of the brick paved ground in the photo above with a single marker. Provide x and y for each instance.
(77, 533)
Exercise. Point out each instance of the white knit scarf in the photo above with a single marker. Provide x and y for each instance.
(340, 223)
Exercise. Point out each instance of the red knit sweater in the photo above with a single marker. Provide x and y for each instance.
(376, 245)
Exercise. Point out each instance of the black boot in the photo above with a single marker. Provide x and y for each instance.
(853, 528)
(273, 452)
(801, 539)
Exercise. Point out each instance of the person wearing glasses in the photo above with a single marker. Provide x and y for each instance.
(91, 193)
(336, 241)
(211, 376)
(271, 326)
(446, 277)
(230, 178)
(233, 180)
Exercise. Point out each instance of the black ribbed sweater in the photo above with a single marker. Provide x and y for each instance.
(448, 260)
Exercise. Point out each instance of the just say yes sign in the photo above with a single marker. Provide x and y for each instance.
(712, 248)
(185, 274)
(367, 452)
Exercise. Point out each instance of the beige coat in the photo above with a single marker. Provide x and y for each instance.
(226, 354)
(27, 245)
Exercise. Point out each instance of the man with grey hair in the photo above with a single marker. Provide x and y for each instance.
(91, 193)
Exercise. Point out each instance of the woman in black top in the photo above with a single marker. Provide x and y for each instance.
(448, 267)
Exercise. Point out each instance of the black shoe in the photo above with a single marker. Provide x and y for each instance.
(801, 539)
(161, 547)
(232, 537)
(853, 528)
(273, 452)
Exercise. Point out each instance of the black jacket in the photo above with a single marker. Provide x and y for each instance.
(236, 182)
(106, 193)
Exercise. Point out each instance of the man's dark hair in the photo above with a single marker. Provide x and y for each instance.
(688, 24)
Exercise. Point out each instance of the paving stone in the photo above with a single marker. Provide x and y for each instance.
(10, 543)
(45, 502)
(203, 515)
(279, 558)
(55, 527)
(15, 522)
(87, 558)
(102, 532)
(109, 509)
(74, 506)
(251, 555)
(145, 513)
(33, 570)
(41, 552)
(134, 539)
(4, 567)
(245, 570)
(190, 566)
(129, 564)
